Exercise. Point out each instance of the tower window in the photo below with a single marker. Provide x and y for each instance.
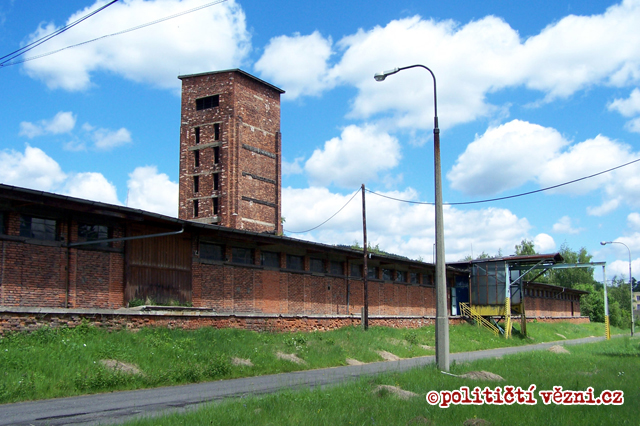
(196, 158)
(197, 133)
(195, 208)
(196, 184)
(215, 207)
(216, 182)
(208, 102)
(216, 155)
(216, 131)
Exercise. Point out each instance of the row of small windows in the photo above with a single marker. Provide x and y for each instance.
(45, 229)
(208, 102)
(216, 156)
(550, 294)
(216, 183)
(216, 133)
(215, 202)
(211, 251)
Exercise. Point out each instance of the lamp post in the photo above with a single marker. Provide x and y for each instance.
(442, 317)
(604, 243)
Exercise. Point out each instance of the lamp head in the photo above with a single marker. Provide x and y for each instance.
(382, 75)
(604, 243)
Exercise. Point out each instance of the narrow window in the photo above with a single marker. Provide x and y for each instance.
(88, 232)
(2, 230)
(387, 274)
(242, 255)
(196, 184)
(197, 132)
(38, 228)
(211, 251)
(216, 209)
(372, 272)
(295, 263)
(401, 276)
(208, 102)
(355, 270)
(196, 158)
(270, 259)
(216, 131)
(216, 181)
(317, 265)
(413, 278)
(216, 155)
(195, 208)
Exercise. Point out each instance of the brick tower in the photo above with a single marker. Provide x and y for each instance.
(230, 163)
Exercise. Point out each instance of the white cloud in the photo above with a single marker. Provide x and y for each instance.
(297, 64)
(292, 168)
(209, 39)
(564, 226)
(401, 228)
(34, 169)
(627, 107)
(152, 191)
(633, 125)
(106, 139)
(633, 221)
(91, 186)
(356, 157)
(544, 243)
(604, 209)
(505, 157)
(62, 122)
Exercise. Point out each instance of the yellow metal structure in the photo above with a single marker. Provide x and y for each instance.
(507, 317)
(470, 312)
(607, 329)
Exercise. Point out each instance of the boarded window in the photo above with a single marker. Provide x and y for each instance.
(242, 255)
(317, 265)
(335, 268)
(87, 232)
(295, 263)
(38, 228)
(270, 259)
(208, 102)
(355, 270)
(211, 251)
(387, 274)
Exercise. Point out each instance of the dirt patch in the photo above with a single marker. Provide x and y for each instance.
(241, 362)
(481, 375)
(420, 420)
(351, 361)
(427, 347)
(400, 393)
(558, 334)
(291, 357)
(121, 367)
(558, 349)
(476, 422)
(388, 356)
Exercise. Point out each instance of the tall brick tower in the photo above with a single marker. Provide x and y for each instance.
(230, 162)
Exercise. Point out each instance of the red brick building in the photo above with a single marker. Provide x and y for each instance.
(230, 151)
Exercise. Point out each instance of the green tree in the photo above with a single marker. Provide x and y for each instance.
(572, 277)
(526, 247)
(620, 294)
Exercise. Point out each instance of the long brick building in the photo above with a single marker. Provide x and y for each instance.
(223, 261)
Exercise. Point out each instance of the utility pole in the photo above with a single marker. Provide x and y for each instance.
(365, 270)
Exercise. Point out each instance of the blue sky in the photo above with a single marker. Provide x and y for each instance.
(530, 95)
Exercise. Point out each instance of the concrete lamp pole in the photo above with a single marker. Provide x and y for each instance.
(604, 243)
(442, 317)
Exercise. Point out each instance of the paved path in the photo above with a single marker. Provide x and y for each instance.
(117, 407)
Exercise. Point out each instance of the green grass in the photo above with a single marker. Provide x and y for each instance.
(609, 365)
(61, 362)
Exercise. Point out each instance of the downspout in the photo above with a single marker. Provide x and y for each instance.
(68, 277)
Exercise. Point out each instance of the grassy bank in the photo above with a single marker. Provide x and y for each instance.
(609, 365)
(64, 362)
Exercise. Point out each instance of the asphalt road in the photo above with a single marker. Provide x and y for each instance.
(118, 407)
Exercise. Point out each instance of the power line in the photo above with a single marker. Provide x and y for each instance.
(316, 227)
(43, 39)
(510, 196)
(157, 21)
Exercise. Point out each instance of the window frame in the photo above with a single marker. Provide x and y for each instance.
(46, 223)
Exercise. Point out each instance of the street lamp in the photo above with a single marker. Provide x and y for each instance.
(442, 318)
(604, 243)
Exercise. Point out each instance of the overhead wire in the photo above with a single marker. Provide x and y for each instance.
(157, 21)
(24, 49)
(316, 227)
(508, 196)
